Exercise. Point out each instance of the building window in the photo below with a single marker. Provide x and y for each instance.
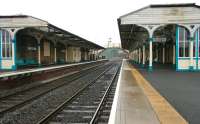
(183, 43)
(6, 44)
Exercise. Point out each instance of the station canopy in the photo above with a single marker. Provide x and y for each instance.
(146, 20)
(32, 24)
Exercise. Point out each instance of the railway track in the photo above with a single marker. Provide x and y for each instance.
(102, 114)
(86, 104)
(16, 100)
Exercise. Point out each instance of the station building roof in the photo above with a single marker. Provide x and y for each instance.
(36, 24)
(158, 14)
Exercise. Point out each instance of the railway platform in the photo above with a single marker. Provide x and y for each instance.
(40, 69)
(15, 79)
(136, 101)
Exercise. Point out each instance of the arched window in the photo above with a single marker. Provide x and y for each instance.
(6, 44)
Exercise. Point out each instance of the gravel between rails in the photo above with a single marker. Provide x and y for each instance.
(15, 101)
(103, 114)
(82, 107)
(31, 113)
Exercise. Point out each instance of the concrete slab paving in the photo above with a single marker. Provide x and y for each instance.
(132, 105)
(181, 89)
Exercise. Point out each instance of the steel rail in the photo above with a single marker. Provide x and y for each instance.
(43, 84)
(14, 107)
(104, 98)
(61, 106)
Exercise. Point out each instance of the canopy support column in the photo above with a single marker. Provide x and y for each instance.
(13, 32)
(66, 54)
(39, 53)
(55, 56)
(191, 53)
(174, 55)
(157, 54)
(163, 58)
(14, 66)
(139, 56)
(143, 56)
(135, 58)
(150, 54)
(38, 38)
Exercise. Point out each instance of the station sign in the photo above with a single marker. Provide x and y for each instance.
(160, 39)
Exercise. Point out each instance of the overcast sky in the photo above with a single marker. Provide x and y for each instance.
(95, 20)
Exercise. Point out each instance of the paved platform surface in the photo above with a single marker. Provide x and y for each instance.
(132, 105)
(137, 102)
(181, 89)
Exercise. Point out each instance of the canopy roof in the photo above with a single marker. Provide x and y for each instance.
(164, 14)
(25, 21)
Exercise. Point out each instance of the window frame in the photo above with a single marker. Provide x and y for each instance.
(6, 45)
(198, 43)
(184, 41)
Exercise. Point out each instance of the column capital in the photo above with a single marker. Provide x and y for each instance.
(12, 31)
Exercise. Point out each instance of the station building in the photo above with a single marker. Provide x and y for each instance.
(113, 53)
(28, 41)
(163, 34)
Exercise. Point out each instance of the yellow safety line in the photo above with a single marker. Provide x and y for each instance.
(164, 111)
